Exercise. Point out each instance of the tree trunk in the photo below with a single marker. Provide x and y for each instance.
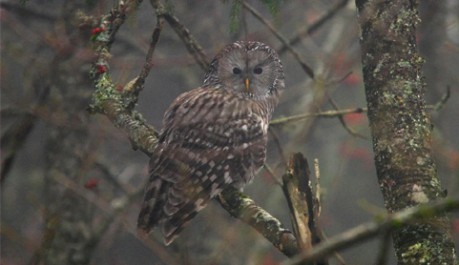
(401, 128)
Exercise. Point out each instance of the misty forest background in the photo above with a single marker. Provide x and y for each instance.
(52, 148)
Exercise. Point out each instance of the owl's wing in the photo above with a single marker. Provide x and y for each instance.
(198, 157)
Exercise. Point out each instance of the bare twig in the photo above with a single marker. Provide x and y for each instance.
(278, 145)
(337, 113)
(383, 252)
(314, 26)
(26, 12)
(112, 209)
(271, 173)
(140, 80)
(118, 16)
(324, 114)
(282, 39)
(365, 231)
(439, 105)
(192, 45)
(15, 136)
(343, 122)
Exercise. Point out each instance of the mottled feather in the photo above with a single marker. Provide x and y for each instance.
(212, 137)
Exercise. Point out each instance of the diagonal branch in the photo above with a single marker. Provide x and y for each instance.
(372, 229)
(192, 45)
(314, 26)
(280, 37)
(242, 207)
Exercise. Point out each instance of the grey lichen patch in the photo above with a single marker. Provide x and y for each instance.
(418, 195)
(405, 20)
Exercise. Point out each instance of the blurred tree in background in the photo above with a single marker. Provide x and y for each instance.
(72, 185)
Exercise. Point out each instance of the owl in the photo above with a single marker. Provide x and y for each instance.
(212, 136)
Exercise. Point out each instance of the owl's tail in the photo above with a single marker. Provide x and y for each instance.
(172, 205)
(151, 212)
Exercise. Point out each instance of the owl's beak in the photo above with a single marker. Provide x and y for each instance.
(247, 84)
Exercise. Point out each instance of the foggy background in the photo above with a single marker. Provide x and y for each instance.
(34, 40)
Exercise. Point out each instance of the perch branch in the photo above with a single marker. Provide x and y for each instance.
(242, 207)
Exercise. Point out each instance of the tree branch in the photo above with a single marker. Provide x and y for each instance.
(379, 227)
(107, 99)
(242, 207)
(339, 113)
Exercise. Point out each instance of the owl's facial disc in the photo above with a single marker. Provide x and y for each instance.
(248, 73)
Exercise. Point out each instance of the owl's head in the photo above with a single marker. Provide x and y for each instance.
(248, 68)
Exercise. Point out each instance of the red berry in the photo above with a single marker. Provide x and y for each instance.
(91, 183)
(101, 69)
(97, 30)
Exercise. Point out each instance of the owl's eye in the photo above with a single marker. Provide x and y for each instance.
(258, 70)
(236, 71)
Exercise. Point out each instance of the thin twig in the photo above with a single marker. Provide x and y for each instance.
(337, 113)
(384, 250)
(271, 173)
(26, 11)
(192, 45)
(278, 145)
(118, 16)
(138, 85)
(314, 26)
(439, 105)
(282, 39)
(324, 114)
(343, 122)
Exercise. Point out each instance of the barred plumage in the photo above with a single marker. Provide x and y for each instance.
(212, 137)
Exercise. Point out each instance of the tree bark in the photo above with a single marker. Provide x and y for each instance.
(401, 128)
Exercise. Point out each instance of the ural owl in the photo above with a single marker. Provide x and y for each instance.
(212, 136)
